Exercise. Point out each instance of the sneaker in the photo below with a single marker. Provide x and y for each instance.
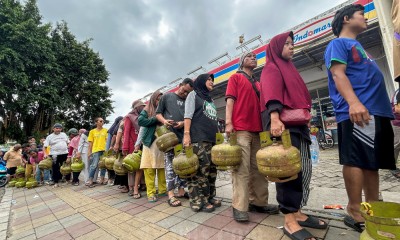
(50, 183)
(269, 209)
(240, 216)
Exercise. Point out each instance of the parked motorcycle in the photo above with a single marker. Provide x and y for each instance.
(3, 174)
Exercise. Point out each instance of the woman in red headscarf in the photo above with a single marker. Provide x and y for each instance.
(282, 87)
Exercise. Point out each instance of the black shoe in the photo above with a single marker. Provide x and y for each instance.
(269, 209)
(240, 216)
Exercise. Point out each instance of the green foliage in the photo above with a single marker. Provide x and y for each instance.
(46, 75)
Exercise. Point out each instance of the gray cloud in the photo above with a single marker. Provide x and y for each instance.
(146, 44)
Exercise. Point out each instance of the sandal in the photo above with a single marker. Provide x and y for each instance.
(299, 235)
(350, 222)
(124, 190)
(207, 208)
(162, 194)
(313, 222)
(130, 193)
(91, 185)
(174, 202)
(136, 196)
(120, 187)
(152, 199)
(215, 202)
(195, 207)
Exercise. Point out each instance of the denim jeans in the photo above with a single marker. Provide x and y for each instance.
(46, 174)
(94, 162)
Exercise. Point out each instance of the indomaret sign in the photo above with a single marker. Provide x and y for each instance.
(312, 31)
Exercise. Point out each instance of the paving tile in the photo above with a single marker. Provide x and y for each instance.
(72, 220)
(43, 220)
(185, 213)
(339, 233)
(227, 212)
(171, 236)
(59, 235)
(119, 218)
(158, 216)
(161, 207)
(154, 230)
(274, 220)
(202, 233)
(241, 229)
(201, 217)
(152, 204)
(139, 201)
(184, 227)
(136, 210)
(146, 214)
(137, 222)
(48, 229)
(169, 221)
(83, 230)
(218, 221)
(128, 207)
(265, 232)
(21, 234)
(65, 213)
(222, 235)
(22, 227)
(30, 237)
(41, 213)
(122, 204)
(78, 226)
(96, 234)
(257, 217)
(172, 210)
(221, 209)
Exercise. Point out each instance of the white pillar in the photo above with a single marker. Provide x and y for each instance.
(384, 13)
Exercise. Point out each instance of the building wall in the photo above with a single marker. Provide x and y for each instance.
(316, 78)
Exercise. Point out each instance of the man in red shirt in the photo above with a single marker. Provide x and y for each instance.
(250, 188)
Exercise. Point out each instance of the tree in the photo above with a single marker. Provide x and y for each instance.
(46, 75)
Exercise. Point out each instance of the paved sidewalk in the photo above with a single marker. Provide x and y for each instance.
(102, 212)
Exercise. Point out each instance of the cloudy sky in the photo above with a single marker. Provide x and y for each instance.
(146, 44)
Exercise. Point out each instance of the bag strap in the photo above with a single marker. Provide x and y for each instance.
(252, 81)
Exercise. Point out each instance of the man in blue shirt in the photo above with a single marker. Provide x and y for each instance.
(363, 112)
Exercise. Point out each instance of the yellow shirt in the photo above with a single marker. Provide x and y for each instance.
(13, 158)
(99, 139)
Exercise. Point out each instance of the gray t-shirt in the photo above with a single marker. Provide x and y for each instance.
(58, 143)
(171, 106)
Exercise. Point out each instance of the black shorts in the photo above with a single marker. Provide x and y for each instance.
(11, 170)
(369, 147)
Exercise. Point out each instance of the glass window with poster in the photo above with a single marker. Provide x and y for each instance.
(322, 112)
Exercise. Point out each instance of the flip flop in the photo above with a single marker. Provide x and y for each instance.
(350, 222)
(136, 196)
(299, 235)
(174, 202)
(313, 222)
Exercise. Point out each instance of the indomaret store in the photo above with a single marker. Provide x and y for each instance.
(311, 39)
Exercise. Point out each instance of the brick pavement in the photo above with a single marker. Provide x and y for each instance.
(103, 213)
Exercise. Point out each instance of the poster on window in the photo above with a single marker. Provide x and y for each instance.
(330, 123)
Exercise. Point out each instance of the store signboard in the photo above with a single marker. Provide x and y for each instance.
(312, 31)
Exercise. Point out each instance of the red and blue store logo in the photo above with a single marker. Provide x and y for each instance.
(312, 31)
